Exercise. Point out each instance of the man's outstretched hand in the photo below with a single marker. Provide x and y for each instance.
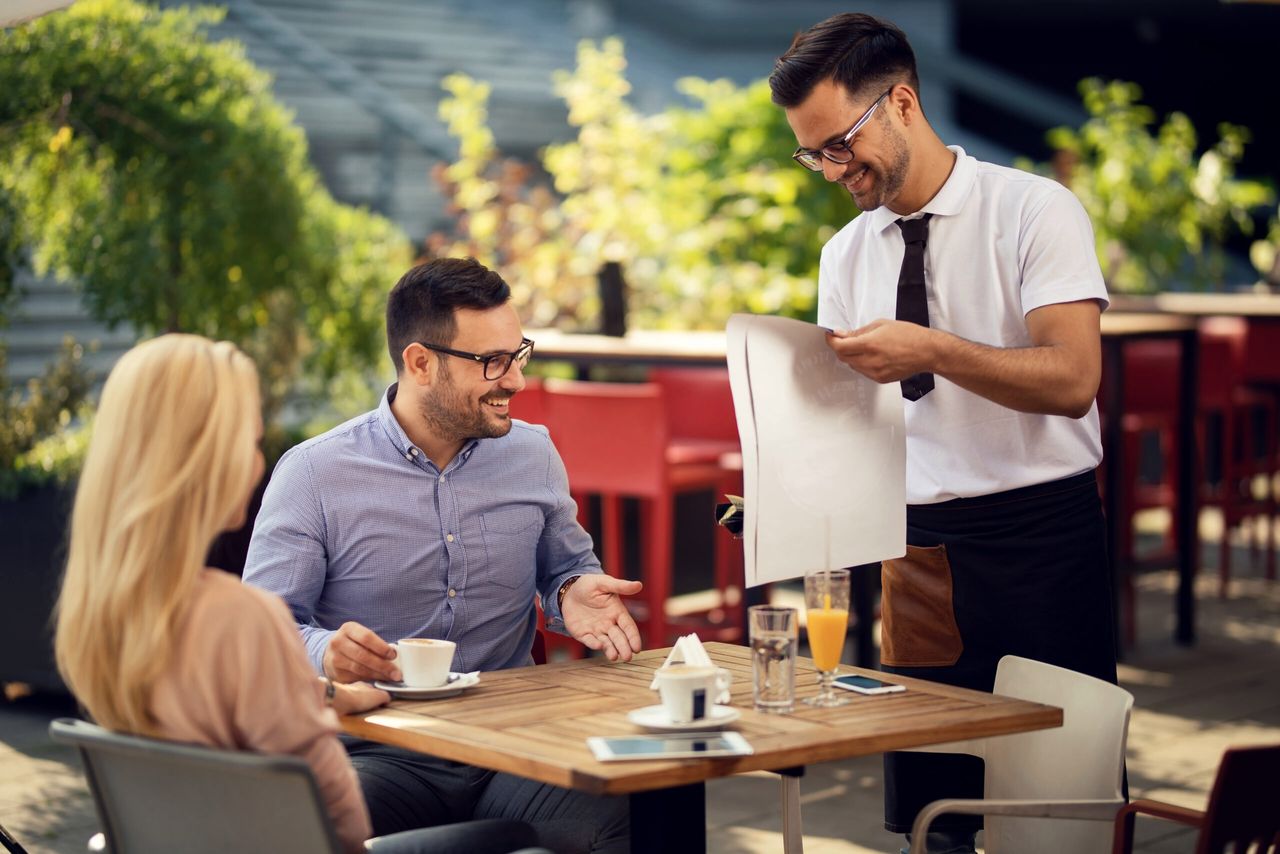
(595, 615)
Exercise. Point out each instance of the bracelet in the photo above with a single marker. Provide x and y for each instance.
(330, 690)
(564, 588)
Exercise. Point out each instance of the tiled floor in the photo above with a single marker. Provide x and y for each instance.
(1192, 703)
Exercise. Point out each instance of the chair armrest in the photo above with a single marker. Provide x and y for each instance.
(1090, 810)
(1123, 840)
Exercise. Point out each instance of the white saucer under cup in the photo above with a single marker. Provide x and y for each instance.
(656, 719)
(455, 683)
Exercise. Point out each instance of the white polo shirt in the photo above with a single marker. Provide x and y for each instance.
(1002, 242)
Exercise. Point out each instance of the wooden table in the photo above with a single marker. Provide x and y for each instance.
(533, 722)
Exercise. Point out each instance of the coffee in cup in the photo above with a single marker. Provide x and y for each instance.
(424, 662)
(689, 691)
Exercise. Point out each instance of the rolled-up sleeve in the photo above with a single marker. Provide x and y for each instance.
(287, 555)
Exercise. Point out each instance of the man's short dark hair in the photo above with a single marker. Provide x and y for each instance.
(422, 304)
(862, 53)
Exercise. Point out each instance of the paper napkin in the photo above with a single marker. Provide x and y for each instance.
(689, 650)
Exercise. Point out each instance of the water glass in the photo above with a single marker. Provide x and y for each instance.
(775, 635)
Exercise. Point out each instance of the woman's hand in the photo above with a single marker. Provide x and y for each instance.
(351, 698)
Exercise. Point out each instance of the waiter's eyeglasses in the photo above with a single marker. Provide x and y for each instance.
(496, 365)
(837, 152)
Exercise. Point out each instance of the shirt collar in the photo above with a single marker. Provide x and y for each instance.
(948, 201)
(400, 439)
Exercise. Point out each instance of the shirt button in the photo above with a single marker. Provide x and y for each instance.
(413, 451)
(452, 592)
(449, 537)
(442, 478)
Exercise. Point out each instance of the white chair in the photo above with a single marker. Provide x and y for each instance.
(1052, 791)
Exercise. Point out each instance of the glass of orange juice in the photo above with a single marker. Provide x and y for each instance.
(826, 600)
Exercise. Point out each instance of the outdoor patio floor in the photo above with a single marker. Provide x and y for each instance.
(1192, 703)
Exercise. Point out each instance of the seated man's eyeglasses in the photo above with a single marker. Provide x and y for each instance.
(837, 152)
(496, 365)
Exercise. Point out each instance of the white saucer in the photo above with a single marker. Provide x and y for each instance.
(401, 691)
(654, 718)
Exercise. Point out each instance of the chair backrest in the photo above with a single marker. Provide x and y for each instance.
(154, 795)
(1151, 377)
(1243, 806)
(1082, 759)
(611, 436)
(699, 402)
(1222, 354)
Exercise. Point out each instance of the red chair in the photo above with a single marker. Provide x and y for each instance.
(1242, 812)
(613, 438)
(1151, 403)
(1151, 395)
(703, 428)
(701, 425)
(1245, 458)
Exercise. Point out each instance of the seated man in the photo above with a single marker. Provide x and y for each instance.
(437, 516)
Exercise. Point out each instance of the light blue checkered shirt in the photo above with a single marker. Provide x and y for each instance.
(357, 524)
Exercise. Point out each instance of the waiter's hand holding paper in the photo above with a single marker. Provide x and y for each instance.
(823, 453)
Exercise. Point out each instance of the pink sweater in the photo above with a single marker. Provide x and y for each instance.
(240, 679)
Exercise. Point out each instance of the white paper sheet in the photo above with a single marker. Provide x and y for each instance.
(823, 453)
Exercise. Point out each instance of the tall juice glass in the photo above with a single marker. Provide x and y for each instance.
(826, 599)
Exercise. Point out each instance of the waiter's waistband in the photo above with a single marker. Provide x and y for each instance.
(1084, 480)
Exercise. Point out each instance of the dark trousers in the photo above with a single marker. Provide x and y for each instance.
(1028, 577)
(407, 790)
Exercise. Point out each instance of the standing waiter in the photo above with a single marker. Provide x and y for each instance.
(977, 289)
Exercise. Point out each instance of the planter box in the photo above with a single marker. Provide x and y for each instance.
(33, 539)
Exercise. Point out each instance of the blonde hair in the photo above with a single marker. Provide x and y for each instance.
(170, 464)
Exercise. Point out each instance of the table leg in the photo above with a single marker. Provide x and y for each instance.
(792, 834)
(671, 821)
(1188, 507)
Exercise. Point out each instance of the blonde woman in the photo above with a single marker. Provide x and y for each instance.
(150, 640)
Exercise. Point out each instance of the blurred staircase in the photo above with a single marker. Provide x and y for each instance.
(47, 311)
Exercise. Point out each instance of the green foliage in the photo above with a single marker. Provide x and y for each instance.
(1265, 254)
(702, 205)
(154, 168)
(1160, 212)
(10, 249)
(35, 446)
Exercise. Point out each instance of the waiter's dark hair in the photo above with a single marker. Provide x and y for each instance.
(860, 52)
(422, 304)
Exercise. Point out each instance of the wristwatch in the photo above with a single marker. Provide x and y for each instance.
(329, 690)
(564, 588)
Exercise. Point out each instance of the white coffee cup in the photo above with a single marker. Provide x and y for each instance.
(690, 690)
(424, 662)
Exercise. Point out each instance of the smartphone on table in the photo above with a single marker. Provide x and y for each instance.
(867, 685)
(695, 745)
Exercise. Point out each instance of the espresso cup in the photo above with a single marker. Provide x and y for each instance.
(689, 691)
(424, 662)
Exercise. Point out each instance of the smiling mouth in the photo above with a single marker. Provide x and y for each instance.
(852, 184)
(497, 404)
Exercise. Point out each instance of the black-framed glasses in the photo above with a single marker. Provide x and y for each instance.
(496, 365)
(837, 152)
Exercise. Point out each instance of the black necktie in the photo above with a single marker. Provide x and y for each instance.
(913, 304)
